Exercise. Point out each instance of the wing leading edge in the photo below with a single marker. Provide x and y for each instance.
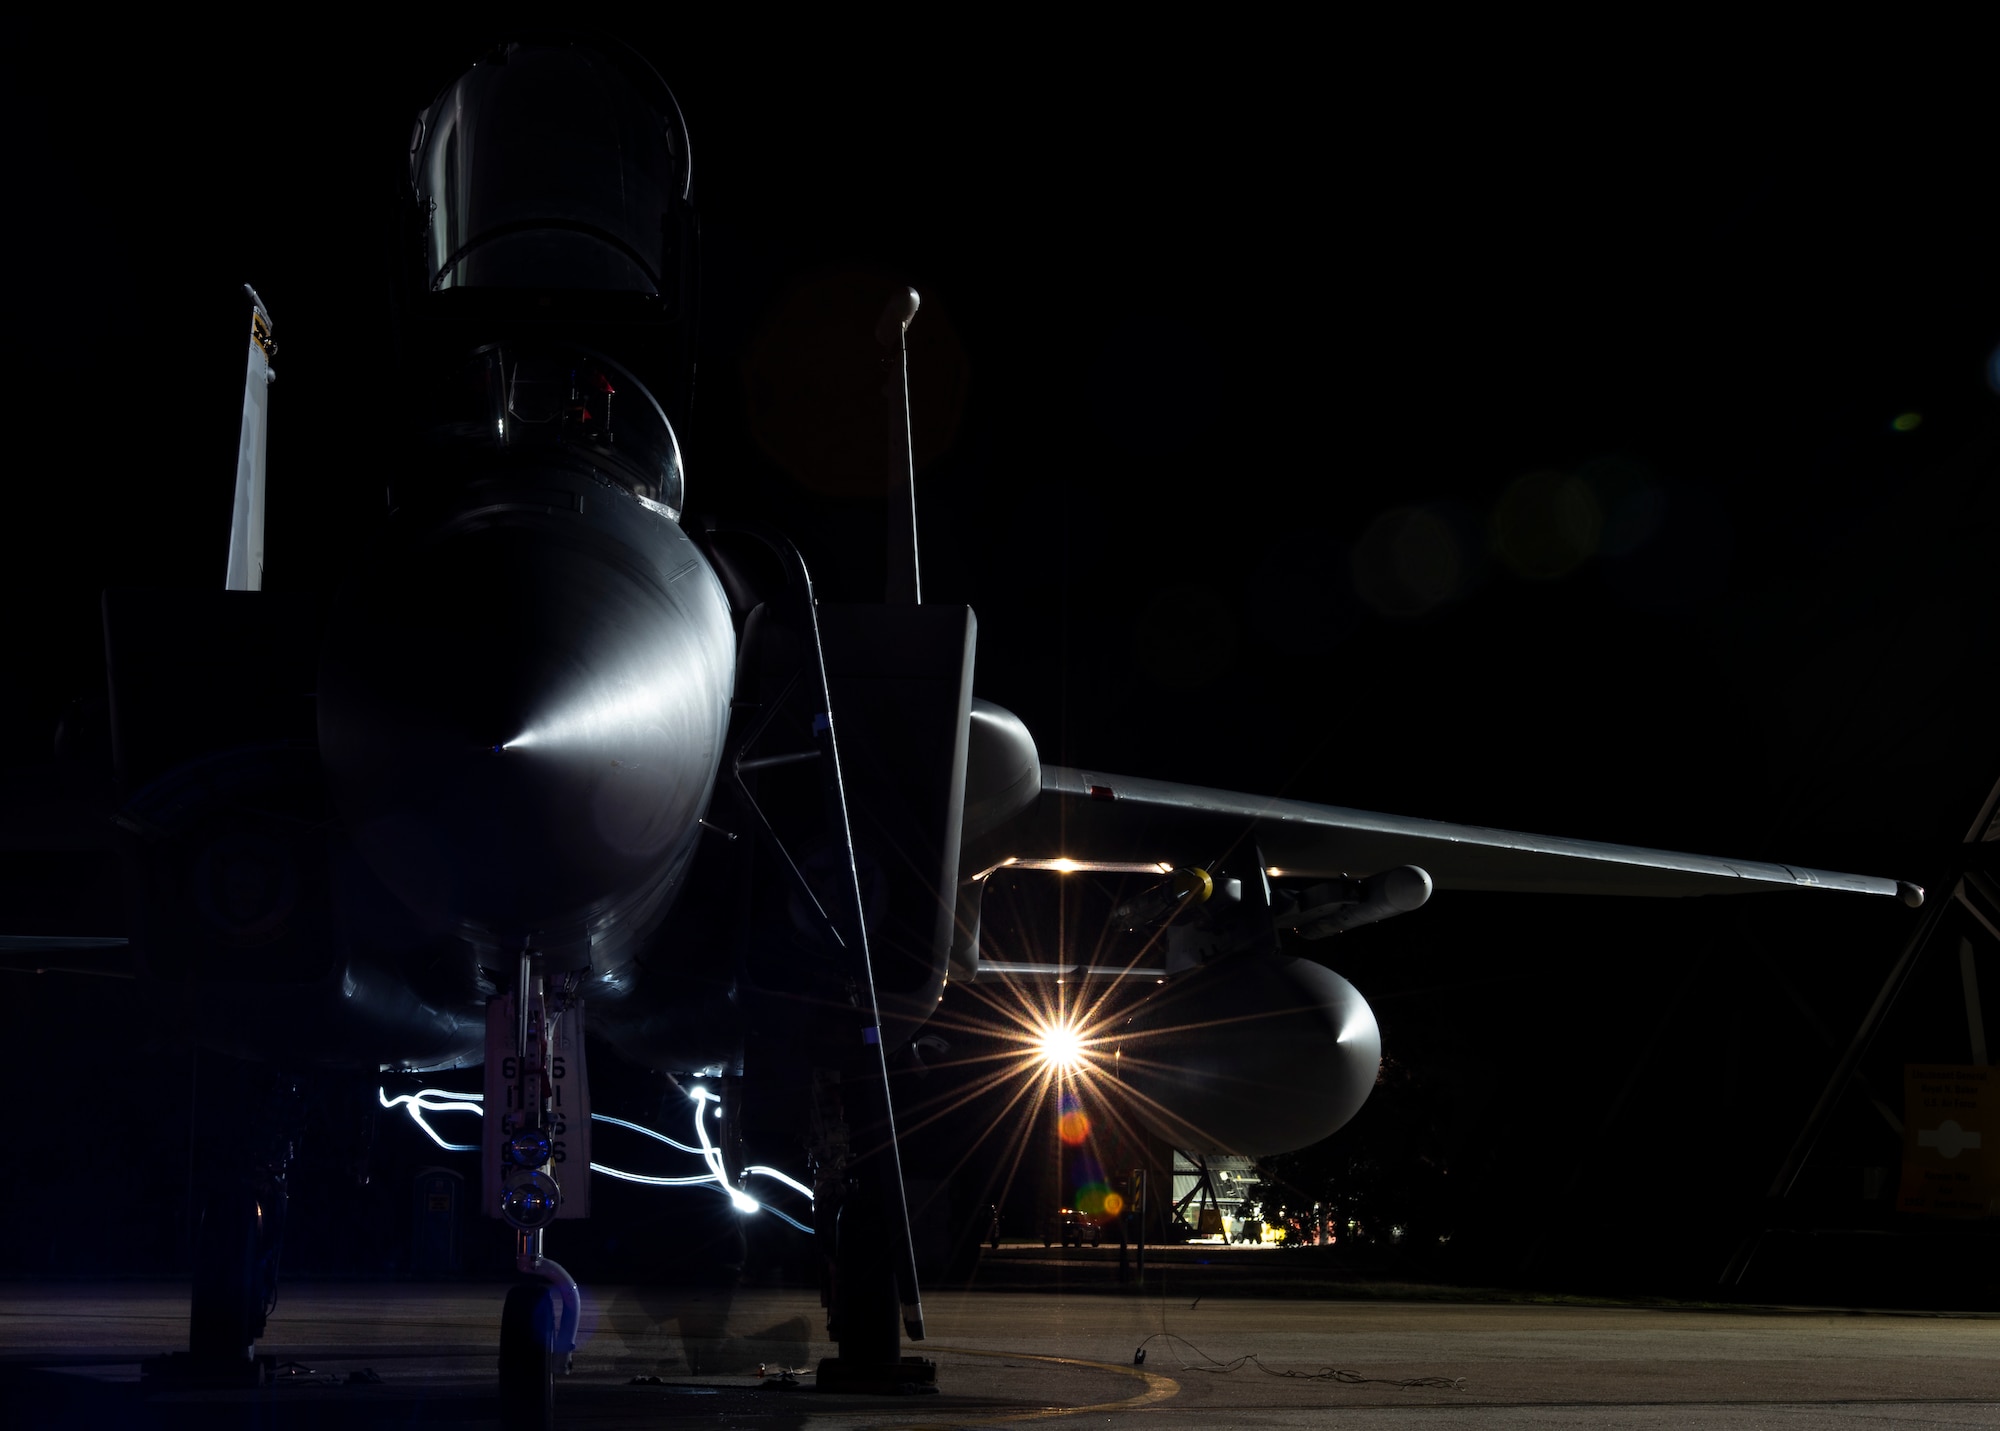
(1083, 816)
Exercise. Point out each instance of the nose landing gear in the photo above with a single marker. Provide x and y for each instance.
(535, 1082)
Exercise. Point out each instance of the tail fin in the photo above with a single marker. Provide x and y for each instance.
(246, 525)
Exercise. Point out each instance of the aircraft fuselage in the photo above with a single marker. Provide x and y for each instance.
(522, 709)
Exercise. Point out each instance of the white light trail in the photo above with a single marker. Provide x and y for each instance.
(709, 1151)
(789, 1182)
(640, 1128)
(434, 1100)
(438, 1100)
(696, 1181)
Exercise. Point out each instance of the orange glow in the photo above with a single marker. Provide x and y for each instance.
(1073, 1128)
(1113, 1204)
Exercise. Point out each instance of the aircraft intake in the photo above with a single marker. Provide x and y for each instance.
(1256, 1054)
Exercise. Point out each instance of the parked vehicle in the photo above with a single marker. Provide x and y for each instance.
(1070, 1226)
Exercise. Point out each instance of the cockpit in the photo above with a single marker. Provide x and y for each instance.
(552, 400)
(551, 183)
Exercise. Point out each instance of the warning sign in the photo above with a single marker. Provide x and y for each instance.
(1951, 1141)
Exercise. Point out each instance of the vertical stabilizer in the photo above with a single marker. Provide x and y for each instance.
(246, 524)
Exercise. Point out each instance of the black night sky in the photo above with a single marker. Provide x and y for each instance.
(1439, 432)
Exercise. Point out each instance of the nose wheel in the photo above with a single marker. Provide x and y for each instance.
(528, 1360)
(226, 1310)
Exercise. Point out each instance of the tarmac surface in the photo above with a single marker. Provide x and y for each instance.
(669, 1357)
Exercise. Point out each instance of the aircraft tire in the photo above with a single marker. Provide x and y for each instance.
(871, 1325)
(225, 1312)
(528, 1360)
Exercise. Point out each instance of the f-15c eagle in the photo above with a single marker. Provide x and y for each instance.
(562, 749)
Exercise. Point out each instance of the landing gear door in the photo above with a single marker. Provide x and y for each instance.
(502, 1099)
(515, 1089)
(569, 1112)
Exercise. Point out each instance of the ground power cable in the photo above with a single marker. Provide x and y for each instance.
(1217, 1366)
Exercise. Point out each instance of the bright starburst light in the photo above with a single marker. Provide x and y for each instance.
(1061, 1046)
(1048, 1049)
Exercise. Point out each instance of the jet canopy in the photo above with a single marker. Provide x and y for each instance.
(542, 401)
(550, 166)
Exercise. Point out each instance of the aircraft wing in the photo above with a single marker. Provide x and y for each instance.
(1111, 821)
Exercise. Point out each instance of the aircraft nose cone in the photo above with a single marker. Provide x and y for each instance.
(517, 731)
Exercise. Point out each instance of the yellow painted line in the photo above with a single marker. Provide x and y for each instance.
(1158, 1388)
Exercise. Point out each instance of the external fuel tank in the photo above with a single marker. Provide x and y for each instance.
(1259, 1053)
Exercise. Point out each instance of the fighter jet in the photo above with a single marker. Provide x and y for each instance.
(564, 750)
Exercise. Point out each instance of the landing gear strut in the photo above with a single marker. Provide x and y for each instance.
(526, 1077)
(235, 1276)
(867, 1293)
(237, 1243)
(860, 1220)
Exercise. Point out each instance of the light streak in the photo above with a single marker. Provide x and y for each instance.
(437, 1100)
(704, 1180)
(697, 1180)
(641, 1128)
(742, 1200)
(788, 1181)
(418, 1103)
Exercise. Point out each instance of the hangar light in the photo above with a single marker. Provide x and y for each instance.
(1060, 1044)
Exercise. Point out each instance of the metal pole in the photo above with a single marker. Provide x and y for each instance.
(904, 587)
(1863, 1040)
(521, 1007)
(1139, 1196)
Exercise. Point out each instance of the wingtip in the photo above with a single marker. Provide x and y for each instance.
(1910, 894)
